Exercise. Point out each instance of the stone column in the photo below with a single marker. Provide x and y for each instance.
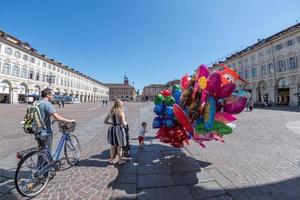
(293, 98)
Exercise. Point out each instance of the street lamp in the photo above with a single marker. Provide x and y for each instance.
(50, 79)
(95, 90)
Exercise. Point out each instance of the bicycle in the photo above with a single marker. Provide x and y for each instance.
(39, 163)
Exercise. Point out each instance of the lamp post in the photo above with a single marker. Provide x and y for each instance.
(95, 90)
(50, 79)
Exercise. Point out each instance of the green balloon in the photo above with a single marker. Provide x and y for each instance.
(218, 127)
(169, 101)
(176, 87)
(159, 99)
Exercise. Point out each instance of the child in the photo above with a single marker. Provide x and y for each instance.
(142, 133)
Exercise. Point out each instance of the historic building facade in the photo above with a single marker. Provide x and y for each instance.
(150, 91)
(123, 91)
(271, 66)
(23, 71)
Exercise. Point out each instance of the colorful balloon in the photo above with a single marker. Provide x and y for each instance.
(168, 123)
(235, 104)
(159, 109)
(213, 83)
(182, 118)
(158, 99)
(169, 112)
(176, 95)
(166, 93)
(185, 81)
(202, 81)
(225, 91)
(209, 113)
(175, 87)
(169, 101)
(157, 122)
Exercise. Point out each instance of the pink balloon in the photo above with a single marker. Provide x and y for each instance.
(213, 83)
(235, 104)
(226, 90)
(202, 71)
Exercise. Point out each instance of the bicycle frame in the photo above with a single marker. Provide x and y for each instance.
(57, 154)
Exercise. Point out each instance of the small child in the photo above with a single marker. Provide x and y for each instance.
(142, 133)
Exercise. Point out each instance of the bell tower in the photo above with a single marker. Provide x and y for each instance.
(126, 80)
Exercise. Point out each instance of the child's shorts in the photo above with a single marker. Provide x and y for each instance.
(141, 139)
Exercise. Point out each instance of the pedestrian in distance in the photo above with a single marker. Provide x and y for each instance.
(59, 103)
(63, 102)
(103, 103)
(116, 134)
(142, 132)
(251, 106)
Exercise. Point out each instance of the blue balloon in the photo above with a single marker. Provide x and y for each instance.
(177, 95)
(159, 109)
(157, 122)
(190, 135)
(198, 121)
(209, 120)
(169, 123)
(169, 112)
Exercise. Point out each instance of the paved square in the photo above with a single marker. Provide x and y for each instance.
(260, 160)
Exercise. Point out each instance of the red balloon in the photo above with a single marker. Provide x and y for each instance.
(185, 81)
(213, 83)
(235, 104)
(226, 90)
(182, 119)
(166, 93)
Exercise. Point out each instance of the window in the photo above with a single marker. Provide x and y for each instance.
(260, 54)
(6, 68)
(49, 66)
(0, 47)
(30, 74)
(246, 74)
(25, 57)
(281, 65)
(278, 46)
(61, 81)
(65, 82)
(263, 70)
(8, 50)
(254, 72)
(44, 64)
(17, 54)
(24, 73)
(37, 76)
(252, 58)
(271, 68)
(53, 68)
(298, 39)
(44, 78)
(58, 69)
(290, 43)
(269, 51)
(16, 71)
(245, 60)
(32, 59)
(292, 62)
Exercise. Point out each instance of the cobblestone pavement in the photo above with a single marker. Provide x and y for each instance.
(259, 161)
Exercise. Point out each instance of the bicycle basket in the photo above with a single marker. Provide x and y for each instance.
(66, 127)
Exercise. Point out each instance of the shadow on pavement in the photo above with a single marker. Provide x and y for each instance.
(280, 108)
(96, 160)
(7, 186)
(161, 172)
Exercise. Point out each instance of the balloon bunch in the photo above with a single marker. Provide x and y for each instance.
(202, 108)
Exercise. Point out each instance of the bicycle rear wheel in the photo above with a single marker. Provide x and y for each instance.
(72, 150)
(32, 175)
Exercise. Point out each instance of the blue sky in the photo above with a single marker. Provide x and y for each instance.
(151, 41)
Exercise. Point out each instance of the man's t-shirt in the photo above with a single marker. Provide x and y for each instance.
(46, 109)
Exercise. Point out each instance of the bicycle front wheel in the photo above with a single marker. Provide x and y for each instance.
(72, 150)
(32, 174)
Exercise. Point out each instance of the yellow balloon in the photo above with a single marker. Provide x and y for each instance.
(202, 82)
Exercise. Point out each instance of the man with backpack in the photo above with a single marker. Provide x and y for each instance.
(47, 111)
